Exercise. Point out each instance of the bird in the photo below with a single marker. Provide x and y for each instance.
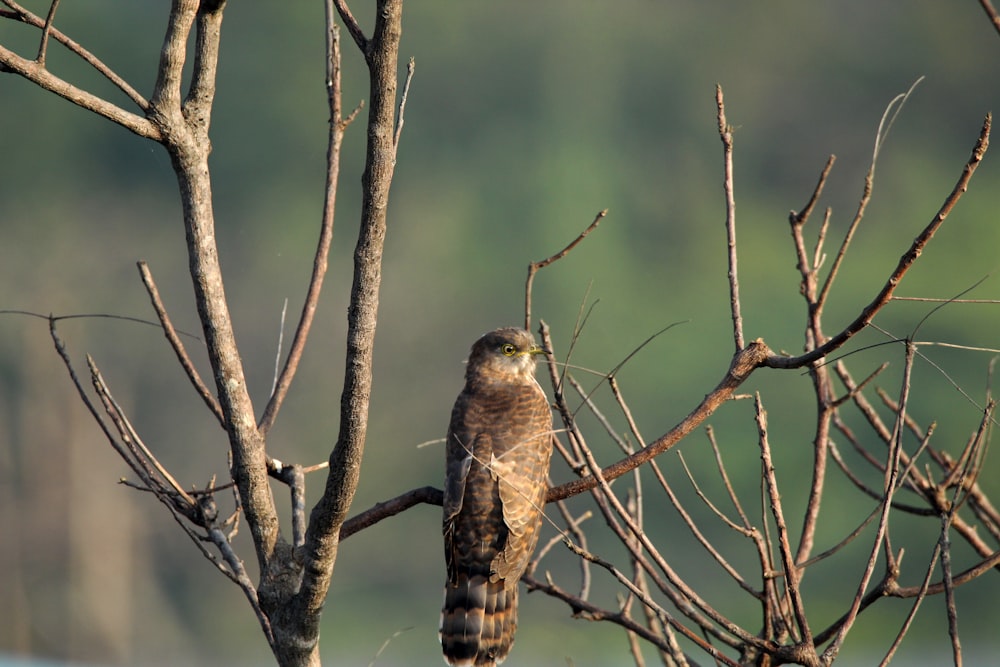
(498, 450)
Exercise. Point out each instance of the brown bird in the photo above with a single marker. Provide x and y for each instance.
(499, 445)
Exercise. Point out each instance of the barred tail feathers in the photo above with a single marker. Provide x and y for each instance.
(478, 621)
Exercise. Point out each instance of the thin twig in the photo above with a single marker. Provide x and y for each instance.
(700, 536)
(720, 466)
(792, 572)
(177, 345)
(23, 15)
(593, 612)
(743, 530)
(726, 134)
(534, 267)
(888, 117)
(352, 25)
(64, 355)
(687, 594)
(46, 31)
(335, 137)
(574, 531)
(912, 614)
(902, 267)
(949, 590)
(991, 13)
(945, 300)
(241, 578)
(891, 478)
(800, 218)
(400, 115)
(647, 601)
(129, 433)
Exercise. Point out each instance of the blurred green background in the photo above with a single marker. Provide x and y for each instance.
(523, 121)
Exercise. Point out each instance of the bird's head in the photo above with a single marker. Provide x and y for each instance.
(503, 355)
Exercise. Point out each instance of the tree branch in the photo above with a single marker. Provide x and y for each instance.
(391, 507)
(743, 364)
(905, 262)
(37, 74)
(327, 517)
(352, 25)
(201, 95)
(23, 15)
(185, 132)
(335, 138)
(754, 355)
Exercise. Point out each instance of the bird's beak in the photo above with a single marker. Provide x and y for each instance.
(536, 349)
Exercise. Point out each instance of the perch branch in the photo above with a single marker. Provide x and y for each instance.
(757, 354)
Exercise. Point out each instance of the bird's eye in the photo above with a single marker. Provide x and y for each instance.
(508, 349)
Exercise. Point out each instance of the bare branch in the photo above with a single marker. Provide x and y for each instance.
(64, 355)
(949, 591)
(37, 74)
(686, 598)
(167, 90)
(327, 518)
(23, 15)
(239, 575)
(904, 264)
(913, 609)
(352, 26)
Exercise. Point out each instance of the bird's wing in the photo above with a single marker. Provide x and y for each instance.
(522, 471)
(459, 462)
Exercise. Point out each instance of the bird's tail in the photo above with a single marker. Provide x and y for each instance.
(478, 620)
